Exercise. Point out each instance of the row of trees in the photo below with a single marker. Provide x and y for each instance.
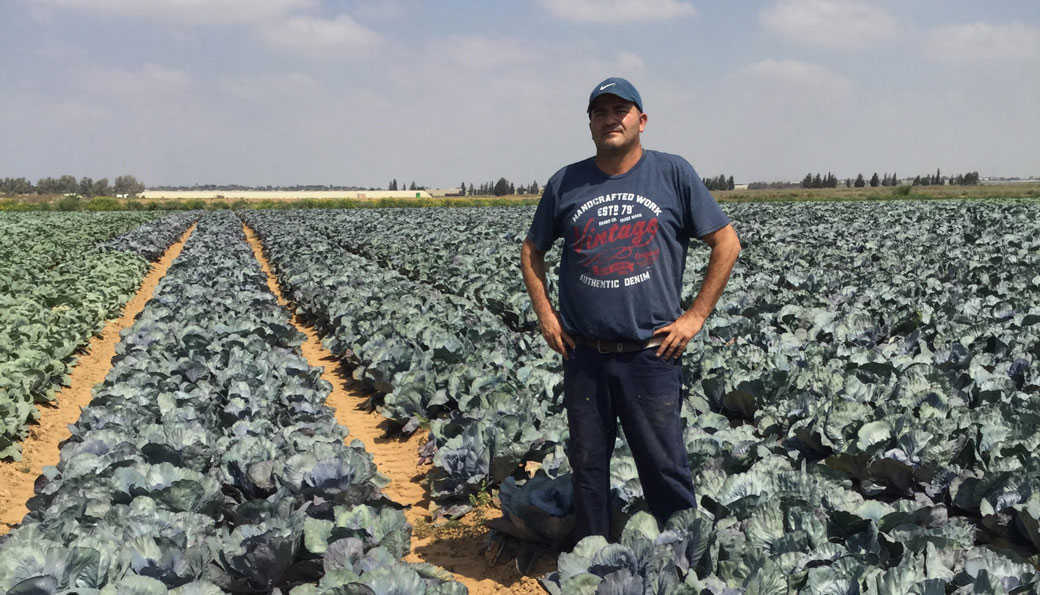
(84, 186)
(820, 181)
(394, 186)
(719, 183)
(502, 187)
(968, 179)
(875, 181)
(831, 181)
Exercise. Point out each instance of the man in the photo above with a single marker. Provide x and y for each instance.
(626, 217)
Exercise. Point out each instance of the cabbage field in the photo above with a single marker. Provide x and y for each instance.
(861, 416)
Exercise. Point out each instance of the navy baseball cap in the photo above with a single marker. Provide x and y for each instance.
(616, 85)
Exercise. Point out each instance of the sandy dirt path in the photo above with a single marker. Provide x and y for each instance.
(455, 546)
(40, 448)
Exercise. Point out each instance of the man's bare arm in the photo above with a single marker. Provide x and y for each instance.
(532, 265)
(725, 246)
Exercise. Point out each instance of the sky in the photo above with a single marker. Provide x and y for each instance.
(341, 92)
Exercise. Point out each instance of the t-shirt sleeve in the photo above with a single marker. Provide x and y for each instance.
(701, 213)
(542, 232)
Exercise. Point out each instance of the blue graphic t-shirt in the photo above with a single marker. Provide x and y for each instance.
(625, 242)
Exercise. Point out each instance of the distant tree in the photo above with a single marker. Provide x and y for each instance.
(86, 186)
(875, 180)
(47, 186)
(68, 184)
(729, 184)
(412, 186)
(501, 187)
(100, 187)
(13, 186)
(860, 182)
(969, 179)
(392, 185)
(126, 185)
(848, 182)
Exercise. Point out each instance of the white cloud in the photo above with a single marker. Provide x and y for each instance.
(194, 12)
(983, 42)
(798, 77)
(618, 11)
(282, 87)
(148, 80)
(475, 52)
(383, 10)
(280, 23)
(319, 36)
(838, 24)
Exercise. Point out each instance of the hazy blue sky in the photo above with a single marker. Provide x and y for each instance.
(343, 92)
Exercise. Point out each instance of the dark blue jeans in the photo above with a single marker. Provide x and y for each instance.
(645, 392)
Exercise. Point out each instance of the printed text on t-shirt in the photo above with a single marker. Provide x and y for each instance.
(614, 239)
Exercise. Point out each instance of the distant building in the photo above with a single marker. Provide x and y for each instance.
(441, 192)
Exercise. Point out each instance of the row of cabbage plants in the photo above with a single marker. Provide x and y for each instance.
(59, 283)
(151, 239)
(207, 461)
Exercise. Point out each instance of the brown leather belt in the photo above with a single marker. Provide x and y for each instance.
(617, 346)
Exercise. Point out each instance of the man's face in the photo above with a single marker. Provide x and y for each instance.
(615, 123)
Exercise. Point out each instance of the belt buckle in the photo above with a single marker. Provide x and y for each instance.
(611, 347)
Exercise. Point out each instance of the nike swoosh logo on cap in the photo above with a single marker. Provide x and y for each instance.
(607, 85)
